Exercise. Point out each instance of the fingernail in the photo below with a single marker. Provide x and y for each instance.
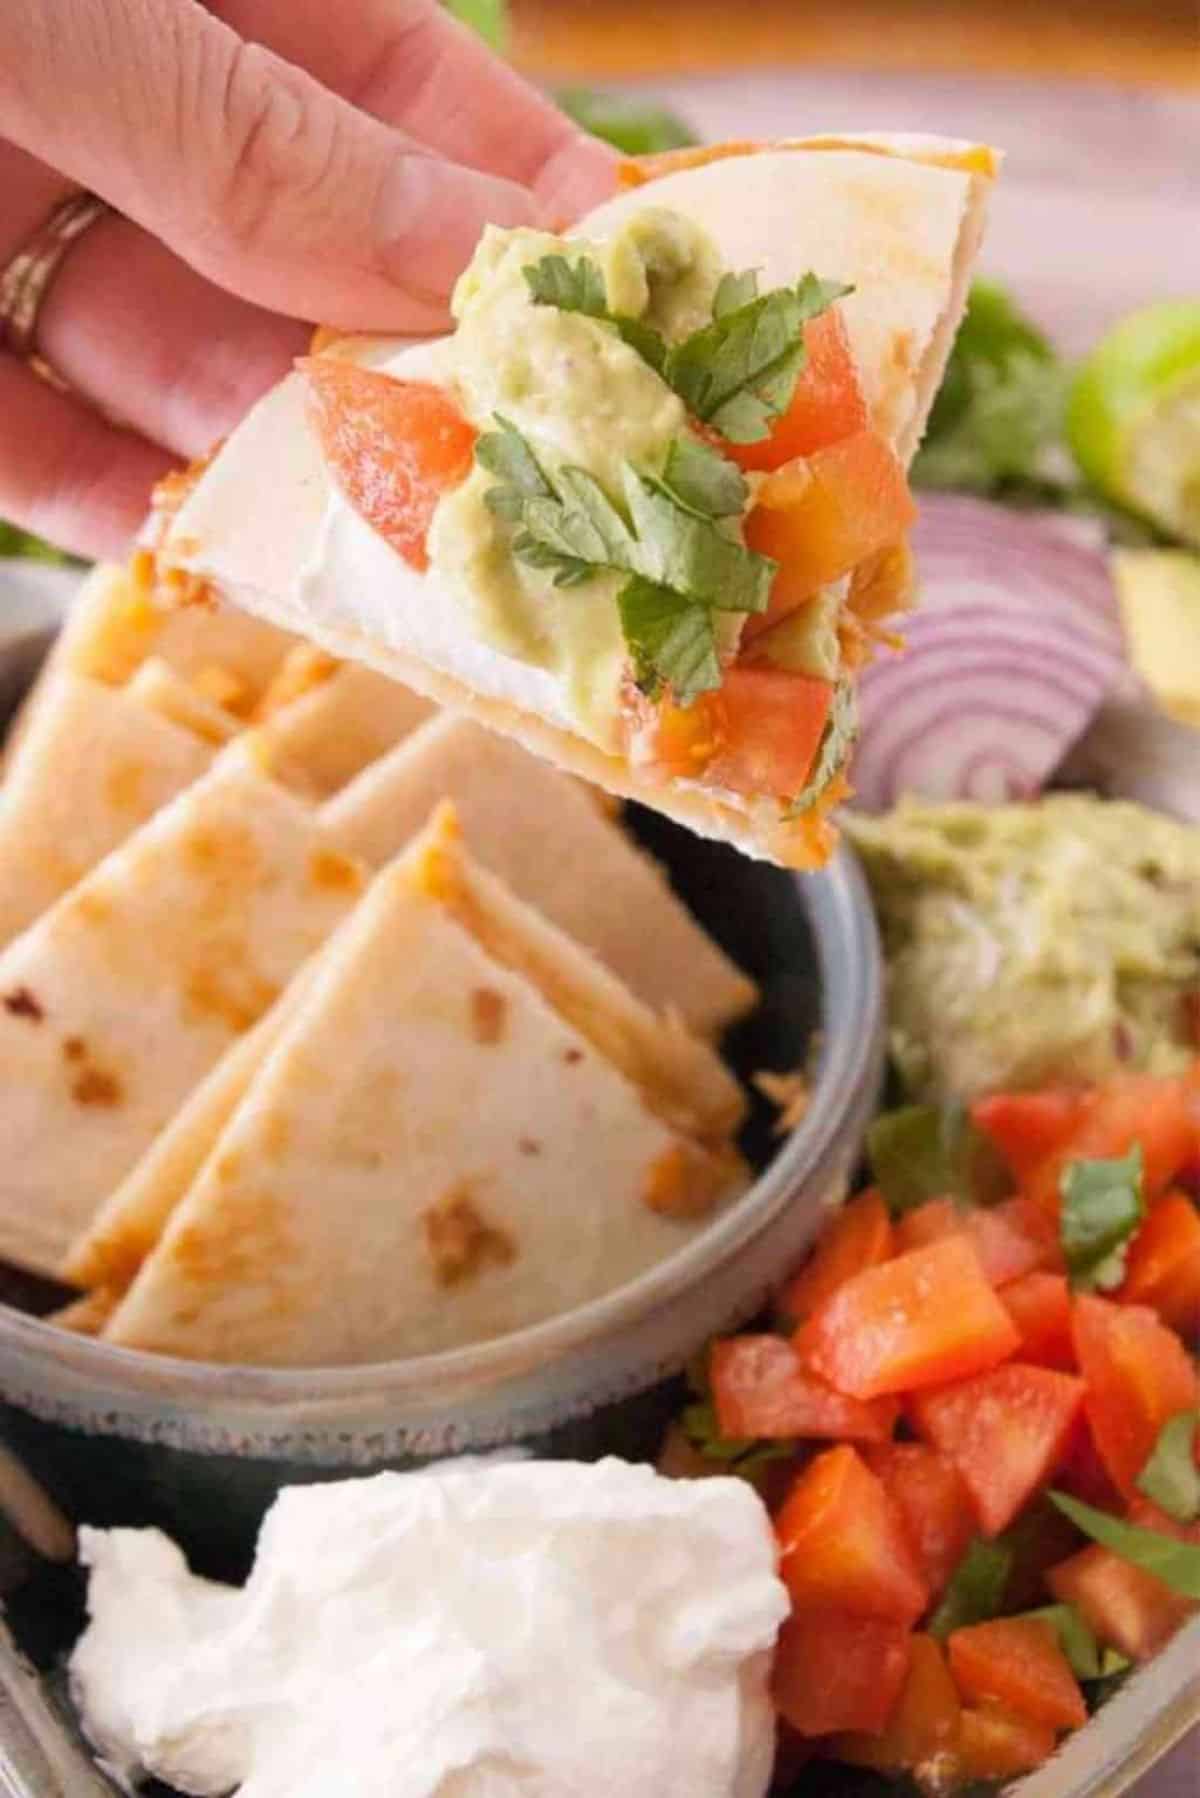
(431, 216)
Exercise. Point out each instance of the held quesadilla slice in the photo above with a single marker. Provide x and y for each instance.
(546, 838)
(127, 991)
(465, 1127)
(645, 508)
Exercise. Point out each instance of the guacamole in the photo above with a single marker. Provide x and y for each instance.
(584, 399)
(1032, 943)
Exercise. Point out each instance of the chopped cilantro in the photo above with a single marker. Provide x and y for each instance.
(1176, 1564)
(921, 1152)
(1102, 1206)
(976, 1590)
(1171, 1478)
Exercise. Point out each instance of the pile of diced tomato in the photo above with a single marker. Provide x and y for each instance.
(938, 1374)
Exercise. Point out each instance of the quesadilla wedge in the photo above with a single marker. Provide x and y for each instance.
(465, 1127)
(546, 838)
(644, 509)
(323, 738)
(128, 990)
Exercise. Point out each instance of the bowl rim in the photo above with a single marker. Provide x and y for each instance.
(850, 983)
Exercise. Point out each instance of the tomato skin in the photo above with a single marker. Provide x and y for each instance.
(827, 404)
(835, 1670)
(918, 1320)
(932, 1499)
(821, 515)
(1158, 1114)
(395, 446)
(1005, 1430)
(1017, 1662)
(921, 1735)
(758, 735)
(761, 1387)
(1039, 1304)
(1028, 1127)
(1011, 1238)
(1138, 1374)
(843, 1544)
(858, 1235)
(993, 1744)
(1162, 1267)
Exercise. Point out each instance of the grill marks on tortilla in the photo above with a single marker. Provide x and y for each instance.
(21, 1003)
(90, 1082)
(459, 1240)
(489, 1011)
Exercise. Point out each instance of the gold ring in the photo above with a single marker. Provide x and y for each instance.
(27, 279)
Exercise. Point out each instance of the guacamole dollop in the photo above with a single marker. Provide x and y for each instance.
(1056, 941)
(583, 398)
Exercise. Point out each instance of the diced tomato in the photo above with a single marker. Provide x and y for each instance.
(1162, 1268)
(757, 735)
(1157, 1113)
(821, 515)
(827, 405)
(1011, 1238)
(761, 1387)
(843, 1542)
(395, 446)
(858, 1235)
(1127, 1608)
(838, 1671)
(1028, 1127)
(1005, 1430)
(993, 1744)
(919, 1320)
(1083, 1473)
(932, 1499)
(1138, 1375)
(1018, 1663)
(921, 1735)
(931, 1222)
(1040, 1306)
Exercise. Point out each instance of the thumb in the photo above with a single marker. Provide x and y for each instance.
(249, 169)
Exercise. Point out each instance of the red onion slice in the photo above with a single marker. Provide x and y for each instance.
(1014, 645)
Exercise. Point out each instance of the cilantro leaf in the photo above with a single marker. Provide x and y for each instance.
(507, 454)
(1102, 1206)
(735, 291)
(976, 1590)
(1176, 1564)
(739, 373)
(671, 640)
(677, 549)
(921, 1152)
(1171, 1477)
(576, 284)
(837, 740)
(703, 480)
(1078, 1642)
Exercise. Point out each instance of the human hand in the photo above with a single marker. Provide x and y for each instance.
(270, 161)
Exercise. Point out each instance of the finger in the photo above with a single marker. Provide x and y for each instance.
(31, 191)
(153, 343)
(67, 475)
(411, 64)
(254, 173)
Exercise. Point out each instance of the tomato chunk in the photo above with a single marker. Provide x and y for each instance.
(858, 1235)
(761, 1387)
(994, 1744)
(1159, 1114)
(1028, 1127)
(931, 1222)
(827, 405)
(395, 446)
(1138, 1375)
(1018, 1663)
(932, 1499)
(757, 735)
(843, 1543)
(1005, 1430)
(921, 1735)
(1011, 1238)
(1162, 1268)
(838, 1671)
(919, 1320)
(1040, 1306)
(1126, 1608)
(821, 515)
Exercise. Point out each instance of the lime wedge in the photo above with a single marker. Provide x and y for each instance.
(1159, 595)
(1133, 416)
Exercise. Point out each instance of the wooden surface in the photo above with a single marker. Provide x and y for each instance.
(1116, 40)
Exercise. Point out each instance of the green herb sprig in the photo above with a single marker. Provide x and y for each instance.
(1176, 1564)
(1102, 1206)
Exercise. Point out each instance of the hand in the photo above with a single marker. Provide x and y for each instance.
(273, 161)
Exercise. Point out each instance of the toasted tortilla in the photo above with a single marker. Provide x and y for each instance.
(901, 219)
(433, 1153)
(323, 738)
(546, 838)
(126, 992)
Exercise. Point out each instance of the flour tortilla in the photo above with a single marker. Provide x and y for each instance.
(901, 219)
(327, 736)
(546, 838)
(431, 1155)
(122, 996)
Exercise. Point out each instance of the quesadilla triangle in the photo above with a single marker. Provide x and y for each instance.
(546, 837)
(121, 997)
(645, 508)
(466, 1126)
